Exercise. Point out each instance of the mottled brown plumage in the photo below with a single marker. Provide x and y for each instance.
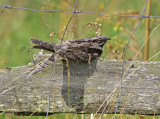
(77, 49)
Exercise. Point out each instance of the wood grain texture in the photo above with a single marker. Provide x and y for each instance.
(82, 88)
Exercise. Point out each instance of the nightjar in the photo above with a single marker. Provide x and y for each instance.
(77, 50)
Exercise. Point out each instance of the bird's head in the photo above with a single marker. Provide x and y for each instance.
(98, 40)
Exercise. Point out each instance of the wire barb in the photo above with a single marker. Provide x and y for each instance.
(77, 11)
(8, 6)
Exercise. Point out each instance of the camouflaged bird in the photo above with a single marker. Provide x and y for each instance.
(77, 50)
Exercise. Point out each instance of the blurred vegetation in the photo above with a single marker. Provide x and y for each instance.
(18, 26)
(77, 116)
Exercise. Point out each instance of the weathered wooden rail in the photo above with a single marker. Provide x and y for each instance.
(82, 88)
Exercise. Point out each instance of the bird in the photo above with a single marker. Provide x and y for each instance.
(81, 50)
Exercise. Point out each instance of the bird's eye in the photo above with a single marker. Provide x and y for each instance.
(99, 41)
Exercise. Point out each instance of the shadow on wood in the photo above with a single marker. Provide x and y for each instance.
(74, 79)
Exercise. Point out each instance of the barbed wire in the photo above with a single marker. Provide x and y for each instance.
(142, 16)
(86, 12)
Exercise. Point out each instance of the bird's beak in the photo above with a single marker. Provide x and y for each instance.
(108, 38)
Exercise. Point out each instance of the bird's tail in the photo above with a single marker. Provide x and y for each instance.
(43, 45)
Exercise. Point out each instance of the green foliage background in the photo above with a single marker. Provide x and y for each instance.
(18, 26)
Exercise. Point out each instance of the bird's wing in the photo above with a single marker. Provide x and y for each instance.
(43, 65)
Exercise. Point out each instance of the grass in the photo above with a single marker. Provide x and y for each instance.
(77, 116)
